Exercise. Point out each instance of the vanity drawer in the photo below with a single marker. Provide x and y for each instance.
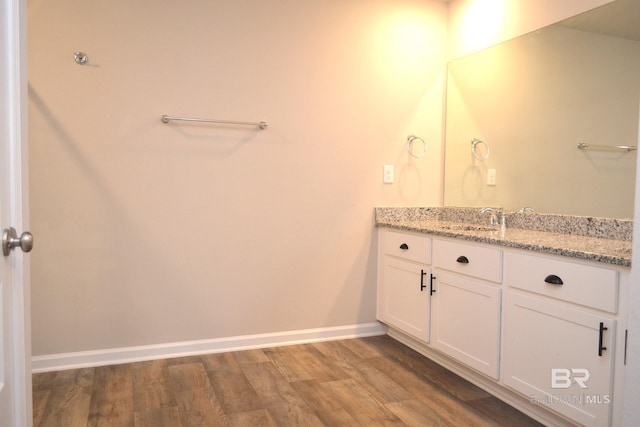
(472, 260)
(586, 285)
(411, 247)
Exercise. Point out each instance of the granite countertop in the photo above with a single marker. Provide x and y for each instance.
(597, 248)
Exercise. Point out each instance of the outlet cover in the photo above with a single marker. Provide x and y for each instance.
(388, 174)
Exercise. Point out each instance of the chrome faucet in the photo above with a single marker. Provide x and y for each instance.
(494, 221)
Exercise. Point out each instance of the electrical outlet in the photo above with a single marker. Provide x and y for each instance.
(388, 174)
(491, 177)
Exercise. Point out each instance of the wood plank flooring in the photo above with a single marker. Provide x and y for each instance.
(372, 381)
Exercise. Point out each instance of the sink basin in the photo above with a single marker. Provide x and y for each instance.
(469, 227)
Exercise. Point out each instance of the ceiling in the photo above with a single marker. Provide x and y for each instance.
(620, 18)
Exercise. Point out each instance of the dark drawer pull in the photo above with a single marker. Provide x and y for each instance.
(552, 279)
(463, 259)
(601, 348)
(404, 246)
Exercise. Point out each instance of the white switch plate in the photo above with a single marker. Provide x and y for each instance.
(491, 177)
(388, 174)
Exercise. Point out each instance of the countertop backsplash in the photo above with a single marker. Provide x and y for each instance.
(603, 228)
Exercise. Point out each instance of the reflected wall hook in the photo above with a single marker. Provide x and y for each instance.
(81, 58)
(410, 140)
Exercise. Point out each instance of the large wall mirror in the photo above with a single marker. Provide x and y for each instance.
(529, 102)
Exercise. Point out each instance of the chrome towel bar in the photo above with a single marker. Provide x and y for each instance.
(167, 119)
(584, 146)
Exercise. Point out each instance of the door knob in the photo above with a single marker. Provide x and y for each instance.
(11, 240)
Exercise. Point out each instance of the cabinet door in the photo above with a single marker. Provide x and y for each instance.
(405, 296)
(554, 354)
(466, 321)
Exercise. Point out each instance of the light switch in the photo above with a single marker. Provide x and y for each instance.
(388, 174)
(491, 177)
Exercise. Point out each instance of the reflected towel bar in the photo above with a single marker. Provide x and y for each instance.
(167, 119)
(584, 146)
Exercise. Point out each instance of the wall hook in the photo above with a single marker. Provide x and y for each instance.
(80, 58)
(477, 150)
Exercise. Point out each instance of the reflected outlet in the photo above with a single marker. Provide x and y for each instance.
(491, 177)
(388, 174)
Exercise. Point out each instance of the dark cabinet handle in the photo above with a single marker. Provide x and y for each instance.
(422, 285)
(431, 290)
(600, 339)
(552, 279)
(404, 246)
(463, 259)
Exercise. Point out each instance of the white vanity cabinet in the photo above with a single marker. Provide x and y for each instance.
(404, 286)
(466, 304)
(544, 333)
(559, 335)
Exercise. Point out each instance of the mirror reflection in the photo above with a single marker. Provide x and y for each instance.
(517, 112)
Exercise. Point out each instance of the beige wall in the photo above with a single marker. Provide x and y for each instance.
(151, 233)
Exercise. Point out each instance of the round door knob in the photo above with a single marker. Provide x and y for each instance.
(11, 240)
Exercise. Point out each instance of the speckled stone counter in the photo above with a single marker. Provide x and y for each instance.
(593, 239)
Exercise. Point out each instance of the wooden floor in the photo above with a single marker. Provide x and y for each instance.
(372, 381)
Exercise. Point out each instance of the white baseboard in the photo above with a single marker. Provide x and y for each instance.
(113, 356)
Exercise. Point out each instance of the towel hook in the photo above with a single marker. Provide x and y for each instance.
(475, 142)
(81, 58)
(410, 140)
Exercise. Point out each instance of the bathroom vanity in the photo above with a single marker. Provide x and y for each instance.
(537, 318)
